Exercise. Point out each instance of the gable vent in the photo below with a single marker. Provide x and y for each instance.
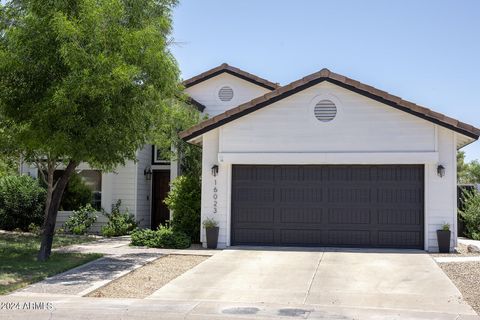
(325, 110)
(225, 94)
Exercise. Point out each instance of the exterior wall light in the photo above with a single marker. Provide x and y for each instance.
(440, 171)
(147, 172)
(214, 170)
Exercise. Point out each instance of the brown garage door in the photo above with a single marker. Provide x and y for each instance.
(352, 206)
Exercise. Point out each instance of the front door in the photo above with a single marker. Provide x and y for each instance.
(160, 188)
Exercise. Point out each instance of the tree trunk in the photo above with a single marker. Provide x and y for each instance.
(52, 211)
(49, 181)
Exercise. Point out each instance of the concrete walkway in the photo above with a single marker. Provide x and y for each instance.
(119, 259)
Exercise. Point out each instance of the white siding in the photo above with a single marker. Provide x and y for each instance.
(206, 93)
(124, 182)
(209, 158)
(144, 157)
(361, 125)
(288, 128)
(441, 193)
(95, 228)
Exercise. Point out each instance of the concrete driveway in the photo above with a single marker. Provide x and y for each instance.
(380, 281)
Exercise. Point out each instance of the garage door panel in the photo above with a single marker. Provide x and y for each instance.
(255, 194)
(307, 194)
(407, 239)
(349, 195)
(354, 238)
(347, 216)
(258, 173)
(254, 236)
(254, 215)
(325, 205)
(301, 215)
(403, 216)
(400, 195)
(301, 237)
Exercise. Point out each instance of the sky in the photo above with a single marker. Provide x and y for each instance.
(427, 52)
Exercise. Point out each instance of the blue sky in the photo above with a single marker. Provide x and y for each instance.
(427, 52)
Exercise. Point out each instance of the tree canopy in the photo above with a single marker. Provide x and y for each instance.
(82, 81)
(467, 172)
(85, 79)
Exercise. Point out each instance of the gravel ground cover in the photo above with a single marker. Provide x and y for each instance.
(461, 252)
(466, 276)
(145, 280)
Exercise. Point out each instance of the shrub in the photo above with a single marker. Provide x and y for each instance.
(209, 223)
(119, 223)
(35, 229)
(471, 214)
(76, 194)
(81, 220)
(184, 201)
(163, 237)
(22, 201)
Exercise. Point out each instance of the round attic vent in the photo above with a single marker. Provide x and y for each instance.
(225, 94)
(325, 110)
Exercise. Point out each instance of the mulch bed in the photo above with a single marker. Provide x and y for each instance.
(145, 280)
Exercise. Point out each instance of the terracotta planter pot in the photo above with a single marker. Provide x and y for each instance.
(443, 239)
(212, 237)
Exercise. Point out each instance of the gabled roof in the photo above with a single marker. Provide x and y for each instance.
(233, 71)
(342, 81)
(200, 107)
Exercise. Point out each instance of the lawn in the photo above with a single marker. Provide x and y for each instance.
(18, 265)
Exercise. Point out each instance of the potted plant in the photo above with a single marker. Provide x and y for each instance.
(443, 238)
(211, 228)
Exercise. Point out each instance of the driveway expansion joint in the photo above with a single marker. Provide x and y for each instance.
(313, 277)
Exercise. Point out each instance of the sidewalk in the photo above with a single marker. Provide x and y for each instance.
(144, 309)
(119, 259)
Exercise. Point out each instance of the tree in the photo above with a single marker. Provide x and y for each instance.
(82, 81)
(184, 196)
(179, 116)
(8, 165)
(467, 172)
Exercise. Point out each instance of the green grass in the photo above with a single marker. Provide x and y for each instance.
(18, 264)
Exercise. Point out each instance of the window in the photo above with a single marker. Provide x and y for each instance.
(76, 192)
(325, 111)
(93, 180)
(158, 156)
(225, 94)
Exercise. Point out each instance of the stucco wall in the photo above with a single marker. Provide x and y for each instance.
(364, 131)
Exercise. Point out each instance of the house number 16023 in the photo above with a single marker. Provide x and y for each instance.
(215, 196)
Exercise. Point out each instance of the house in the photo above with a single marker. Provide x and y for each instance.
(323, 161)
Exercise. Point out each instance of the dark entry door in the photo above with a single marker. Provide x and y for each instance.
(352, 206)
(160, 188)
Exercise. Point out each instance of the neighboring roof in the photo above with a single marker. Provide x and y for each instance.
(200, 107)
(233, 71)
(342, 81)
